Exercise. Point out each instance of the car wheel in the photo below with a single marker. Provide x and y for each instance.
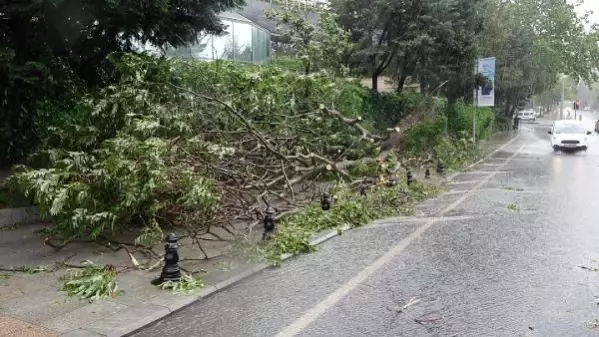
(555, 148)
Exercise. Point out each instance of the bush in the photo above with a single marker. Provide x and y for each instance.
(455, 152)
(26, 88)
(426, 136)
(460, 120)
(386, 110)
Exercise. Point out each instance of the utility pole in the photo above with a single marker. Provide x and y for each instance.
(474, 104)
(561, 104)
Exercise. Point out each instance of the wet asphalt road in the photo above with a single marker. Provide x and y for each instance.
(476, 269)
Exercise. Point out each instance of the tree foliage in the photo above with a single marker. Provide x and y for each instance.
(321, 45)
(50, 49)
(431, 43)
(534, 42)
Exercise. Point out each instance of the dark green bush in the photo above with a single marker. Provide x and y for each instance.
(460, 120)
(386, 110)
(426, 136)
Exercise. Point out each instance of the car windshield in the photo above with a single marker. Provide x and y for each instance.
(569, 128)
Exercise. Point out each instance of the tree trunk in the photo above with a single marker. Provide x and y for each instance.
(375, 82)
(401, 83)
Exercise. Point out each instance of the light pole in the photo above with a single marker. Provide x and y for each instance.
(561, 103)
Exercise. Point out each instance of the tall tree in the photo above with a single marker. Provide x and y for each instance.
(47, 48)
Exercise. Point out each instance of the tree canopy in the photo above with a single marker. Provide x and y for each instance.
(50, 49)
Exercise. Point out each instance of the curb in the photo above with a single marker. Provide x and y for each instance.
(453, 175)
(223, 285)
(12, 216)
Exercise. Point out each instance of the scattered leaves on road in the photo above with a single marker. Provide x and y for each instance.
(513, 207)
(513, 189)
(593, 324)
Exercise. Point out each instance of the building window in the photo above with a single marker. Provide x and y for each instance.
(241, 41)
(222, 45)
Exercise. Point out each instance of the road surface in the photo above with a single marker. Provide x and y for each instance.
(500, 254)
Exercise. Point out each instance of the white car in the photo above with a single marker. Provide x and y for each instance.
(527, 115)
(569, 135)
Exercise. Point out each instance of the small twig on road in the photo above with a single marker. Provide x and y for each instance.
(589, 268)
(410, 303)
(428, 320)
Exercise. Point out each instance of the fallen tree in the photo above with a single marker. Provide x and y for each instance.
(193, 145)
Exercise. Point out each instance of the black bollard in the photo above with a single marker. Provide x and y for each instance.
(269, 222)
(427, 174)
(326, 201)
(409, 178)
(171, 270)
(363, 191)
(392, 181)
(440, 168)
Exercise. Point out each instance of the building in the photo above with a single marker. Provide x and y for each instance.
(249, 36)
(243, 41)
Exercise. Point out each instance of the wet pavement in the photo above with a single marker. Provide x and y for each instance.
(500, 254)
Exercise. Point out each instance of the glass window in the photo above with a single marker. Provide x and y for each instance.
(201, 49)
(222, 45)
(242, 42)
(260, 44)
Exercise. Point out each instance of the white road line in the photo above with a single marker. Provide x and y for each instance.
(315, 312)
(404, 220)
(486, 157)
(465, 182)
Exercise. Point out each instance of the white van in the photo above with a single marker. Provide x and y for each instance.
(527, 115)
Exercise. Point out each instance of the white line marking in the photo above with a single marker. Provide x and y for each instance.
(484, 172)
(314, 313)
(486, 157)
(404, 220)
(464, 182)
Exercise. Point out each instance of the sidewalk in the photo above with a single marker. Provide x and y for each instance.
(31, 303)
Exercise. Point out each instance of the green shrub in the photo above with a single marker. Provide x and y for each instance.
(460, 120)
(457, 152)
(385, 110)
(426, 136)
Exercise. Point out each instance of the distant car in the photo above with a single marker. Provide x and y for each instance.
(569, 135)
(527, 115)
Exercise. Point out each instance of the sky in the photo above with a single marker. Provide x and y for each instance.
(592, 5)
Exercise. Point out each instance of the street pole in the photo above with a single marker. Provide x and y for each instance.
(474, 105)
(561, 104)
(475, 100)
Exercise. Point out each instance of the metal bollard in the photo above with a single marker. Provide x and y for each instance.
(269, 222)
(326, 202)
(171, 270)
